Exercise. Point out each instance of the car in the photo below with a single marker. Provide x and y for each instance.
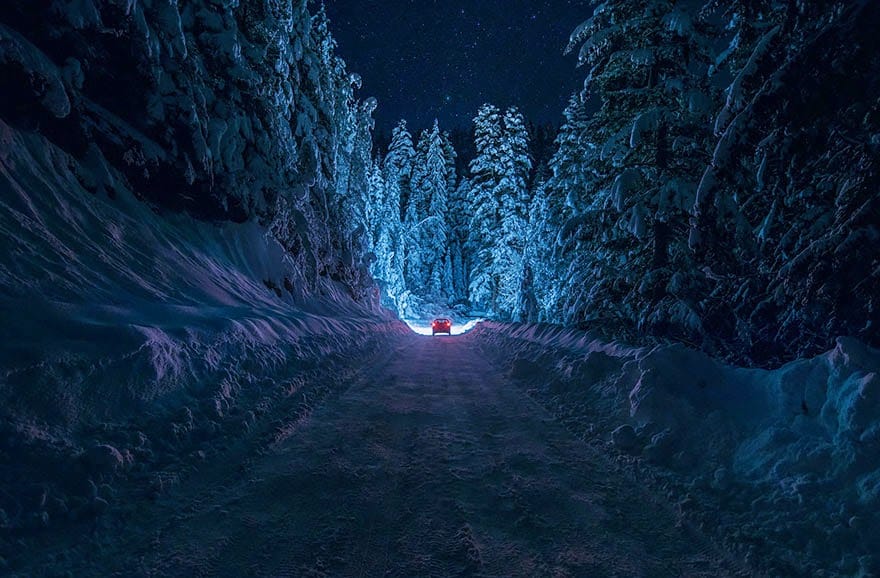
(441, 325)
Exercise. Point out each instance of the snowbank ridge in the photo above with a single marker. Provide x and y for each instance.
(781, 463)
(132, 340)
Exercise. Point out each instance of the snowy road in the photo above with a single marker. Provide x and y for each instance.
(429, 462)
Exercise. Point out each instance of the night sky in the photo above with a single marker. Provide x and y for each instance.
(427, 59)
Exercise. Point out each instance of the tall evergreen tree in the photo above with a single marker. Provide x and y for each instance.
(559, 191)
(458, 221)
(398, 164)
(356, 198)
(541, 254)
(375, 206)
(788, 203)
(485, 207)
(399, 169)
(451, 157)
(386, 230)
(433, 185)
(647, 62)
(513, 196)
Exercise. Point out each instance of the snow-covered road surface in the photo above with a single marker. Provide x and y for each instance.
(428, 461)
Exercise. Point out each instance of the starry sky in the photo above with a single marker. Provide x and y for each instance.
(427, 59)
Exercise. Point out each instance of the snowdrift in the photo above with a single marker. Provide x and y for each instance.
(784, 464)
(125, 331)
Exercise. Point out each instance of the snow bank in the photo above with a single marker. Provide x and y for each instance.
(127, 333)
(108, 291)
(782, 463)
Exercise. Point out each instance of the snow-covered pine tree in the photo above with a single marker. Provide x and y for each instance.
(541, 254)
(559, 189)
(352, 205)
(570, 169)
(356, 198)
(338, 129)
(456, 224)
(513, 197)
(385, 229)
(721, 235)
(394, 277)
(414, 262)
(398, 163)
(321, 126)
(793, 180)
(485, 224)
(433, 189)
(450, 155)
(416, 212)
(375, 206)
(398, 168)
(458, 220)
(647, 62)
(578, 284)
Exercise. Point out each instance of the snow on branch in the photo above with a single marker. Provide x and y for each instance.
(735, 90)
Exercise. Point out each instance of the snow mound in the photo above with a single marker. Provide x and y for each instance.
(783, 462)
(110, 307)
(130, 337)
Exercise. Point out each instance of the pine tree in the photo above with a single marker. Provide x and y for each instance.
(355, 199)
(398, 163)
(512, 193)
(646, 60)
(485, 220)
(541, 255)
(374, 211)
(784, 208)
(561, 188)
(432, 198)
(450, 156)
(386, 231)
(398, 166)
(458, 219)
(416, 212)
(414, 256)
(570, 166)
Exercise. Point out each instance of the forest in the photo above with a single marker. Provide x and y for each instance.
(218, 274)
(722, 194)
(695, 192)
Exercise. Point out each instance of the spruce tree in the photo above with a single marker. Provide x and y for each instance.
(485, 221)
(647, 61)
(450, 155)
(433, 226)
(512, 193)
(398, 164)
(785, 206)
(458, 221)
(541, 254)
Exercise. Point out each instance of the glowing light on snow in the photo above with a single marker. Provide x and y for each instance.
(423, 327)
